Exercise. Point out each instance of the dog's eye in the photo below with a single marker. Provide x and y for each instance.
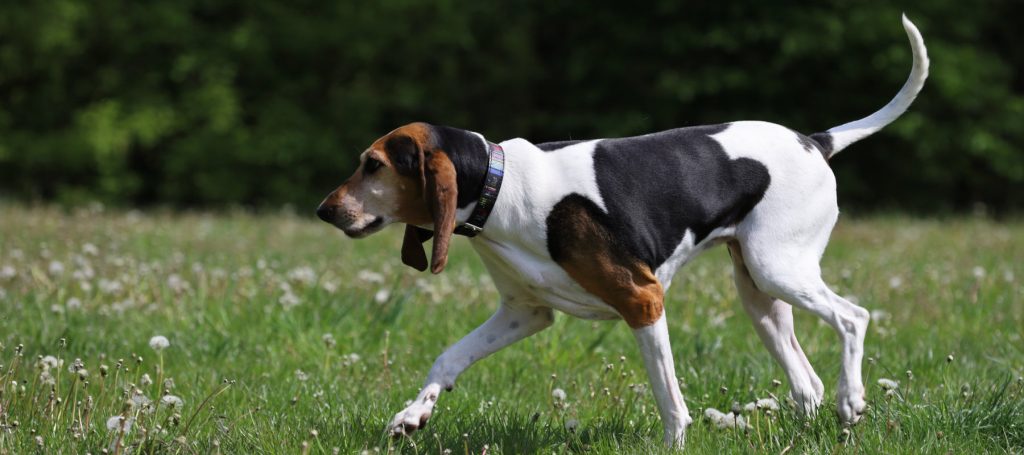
(371, 165)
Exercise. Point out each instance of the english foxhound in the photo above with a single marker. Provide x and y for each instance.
(598, 228)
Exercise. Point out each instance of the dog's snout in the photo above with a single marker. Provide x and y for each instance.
(326, 213)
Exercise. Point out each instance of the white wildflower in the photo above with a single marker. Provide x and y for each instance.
(141, 401)
(117, 423)
(329, 341)
(382, 296)
(895, 282)
(330, 286)
(572, 424)
(7, 272)
(879, 315)
(888, 384)
(75, 366)
(56, 309)
(370, 277)
(90, 249)
(558, 394)
(723, 420)
(177, 284)
(49, 361)
(978, 272)
(73, 303)
(349, 359)
(172, 401)
(768, 403)
(159, 343)
(56, 268)
(302, 376)
(110, 286)
(304, 275)
(289, 300)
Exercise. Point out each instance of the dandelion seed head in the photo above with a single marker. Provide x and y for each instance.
(56, 268)
(382, 296)
(159, 343)
(370, 276)
(558, 394)
(895, 282)
(172, 401)
(302, 376)
(90, 249)
(888, 384)
(289, 300)
(7, 272)
(572, 425)
(146, 381)
(329, 341)
(978, 272)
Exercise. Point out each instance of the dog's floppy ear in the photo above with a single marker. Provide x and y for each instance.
(441, 193)
(412, 248)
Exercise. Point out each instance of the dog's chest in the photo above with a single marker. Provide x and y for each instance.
(534, 280)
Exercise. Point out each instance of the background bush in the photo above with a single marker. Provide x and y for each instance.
(210, 103)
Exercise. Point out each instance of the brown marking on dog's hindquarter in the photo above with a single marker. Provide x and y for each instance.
(584, 248)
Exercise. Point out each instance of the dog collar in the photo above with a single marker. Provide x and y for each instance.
(492, 184)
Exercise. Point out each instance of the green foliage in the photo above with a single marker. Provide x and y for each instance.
(267, 102)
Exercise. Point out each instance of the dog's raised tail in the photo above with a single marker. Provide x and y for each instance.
(836, 139)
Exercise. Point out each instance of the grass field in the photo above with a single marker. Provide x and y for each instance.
(286, 337)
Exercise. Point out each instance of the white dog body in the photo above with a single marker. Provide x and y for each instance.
(597, 229)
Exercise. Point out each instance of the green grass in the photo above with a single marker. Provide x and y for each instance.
(215, 286)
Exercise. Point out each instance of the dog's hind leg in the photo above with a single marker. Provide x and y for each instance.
(789, 270)
(773, 321)
(508, 325)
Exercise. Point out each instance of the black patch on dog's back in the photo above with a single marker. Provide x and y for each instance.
(551, 146)
(824, 141)
(658, 186)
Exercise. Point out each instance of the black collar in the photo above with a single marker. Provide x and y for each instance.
(488, 195)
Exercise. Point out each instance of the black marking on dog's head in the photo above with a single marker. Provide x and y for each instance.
(470, 155)
(552, 146)
(467, 152)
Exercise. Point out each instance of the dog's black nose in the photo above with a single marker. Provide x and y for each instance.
(325, 213)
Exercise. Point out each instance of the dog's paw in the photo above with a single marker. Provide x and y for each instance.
(412, 418)
(806, 401)
(851, 408)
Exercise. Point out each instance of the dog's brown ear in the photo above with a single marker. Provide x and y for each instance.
(441, 192)
(412, 247)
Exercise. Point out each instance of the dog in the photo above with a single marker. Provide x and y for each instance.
(598, 228)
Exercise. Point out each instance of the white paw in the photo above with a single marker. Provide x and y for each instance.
(411, 419)
(806, 401)
(851, 407)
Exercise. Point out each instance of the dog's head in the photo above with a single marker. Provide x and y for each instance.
(419, 175)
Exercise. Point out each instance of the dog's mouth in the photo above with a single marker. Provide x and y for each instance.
(371, 227)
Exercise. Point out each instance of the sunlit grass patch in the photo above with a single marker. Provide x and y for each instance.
(282, 336)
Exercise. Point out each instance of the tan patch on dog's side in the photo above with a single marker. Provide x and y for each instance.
(585, 249)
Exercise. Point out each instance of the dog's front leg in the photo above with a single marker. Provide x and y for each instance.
(506, 326)
(657, 353)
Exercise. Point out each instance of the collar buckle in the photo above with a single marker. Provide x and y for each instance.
(469, 230)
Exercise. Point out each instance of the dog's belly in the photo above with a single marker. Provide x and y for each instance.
(531, 280)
